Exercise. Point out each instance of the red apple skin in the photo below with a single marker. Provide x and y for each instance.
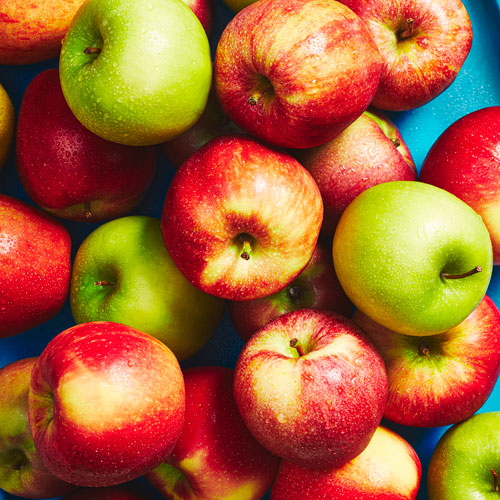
(316, 287)
(295, 73)
(35, 266)
(464, 161)
(388, 469)
(368, 152)
(418, 68)
(317, 410)
(241, 220)
(92, 420)
(68, 170)
(441, 379)
(204, 11)
(109, 493)
(216, 455)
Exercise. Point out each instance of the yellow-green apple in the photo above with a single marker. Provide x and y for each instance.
(316, 287)
(464, 161)
(68, 170)
(137, 73)
(35, 266)
(123, 273)
(216, 457)
(106, 404)
(368, 152)
(21, 470)
(387, 469)
(295, 73)
(465, 463)
(106, 493)
(32, 31)
(311, 388)
(7, 121)
(240, 219)
(441, 379)
(423, 44)
(412, 257)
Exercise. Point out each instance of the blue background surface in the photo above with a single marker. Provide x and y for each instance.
(477, 86)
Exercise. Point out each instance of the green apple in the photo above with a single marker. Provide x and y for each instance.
(123, 273)
(136, 72)
(412, 257)
(465, 463)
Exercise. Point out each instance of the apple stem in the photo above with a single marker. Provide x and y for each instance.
(476, 270)
(409, 30)
(246, 245)
(104, 283)
(396, 142)
(295, 344)
(92, 50)
(294, 293)
(495, 480)
(87, 210)
(423, 349)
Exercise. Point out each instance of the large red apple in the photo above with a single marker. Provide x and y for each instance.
(68, 170)
(295, 73)
(311, 388)
(464, 160)
(240, 219)
(106, 404)
(35, 266)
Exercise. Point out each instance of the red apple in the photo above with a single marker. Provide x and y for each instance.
(106, 404)
(216, 457)
(316, 287)
(240, 219)
(109, 493)
(423, 44)
(388, 469)
(35, 266)
(464, 160)
(311, 388)
(68, 170)
(295, 73)
(441, 379)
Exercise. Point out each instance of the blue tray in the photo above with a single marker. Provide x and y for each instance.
(477, 86)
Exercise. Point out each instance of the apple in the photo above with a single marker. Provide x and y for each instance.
(136, 73)
(240, 219)
(107, 493)
(423, 44)
(295, 73)
(123, 273)
(464, 464)
(441, 379)
(204, 11)
(237, 5)
(316, 287)
(387, 469)
(368, 152)
(7, 121)
(106, 404)
(463, 161)
(216, 457)
(412, 257)
(35, 266)
(311, 388)
(69, 171)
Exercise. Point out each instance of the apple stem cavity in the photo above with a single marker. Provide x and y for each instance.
(447, 276)
(396, 142)
(245, 241)
(294, 293)
(104, 283)
(495, 480)
(408, 32)
(92, 50)
(423, 349)
(294, 343)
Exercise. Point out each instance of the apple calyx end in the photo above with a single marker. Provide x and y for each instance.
(495, 480)
(396, 142)
(87, 211)
(294, 343)
(104, 283)
(423, 349)
(408, 32)
(92, 50)
(476, 270)
(294, 293)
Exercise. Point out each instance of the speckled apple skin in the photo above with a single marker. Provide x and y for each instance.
(35, 266)
(108, 493)
(316, 410)
(106, 404)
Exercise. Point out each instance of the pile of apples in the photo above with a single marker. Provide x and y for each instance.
(355, 287)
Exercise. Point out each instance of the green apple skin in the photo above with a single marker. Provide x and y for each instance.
(391, 247)
(151, 78)
(144, 289)
(462, 462)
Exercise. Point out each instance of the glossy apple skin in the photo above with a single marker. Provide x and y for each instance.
(301, 89)
(444, 378)
(316, 287)
(387, 469)
(233, 190)
(68, 170)
(204, 11)
(418, 68)
(463, 161)
(391, 246)
(368, 152)
(7, 125)
(319, 409)
(109, 493)
(92, 420)
(216, 457)
(21, 470)
(35, 266)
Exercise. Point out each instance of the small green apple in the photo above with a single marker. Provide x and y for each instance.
(123, 273)
(136, 72)
(412, 257)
